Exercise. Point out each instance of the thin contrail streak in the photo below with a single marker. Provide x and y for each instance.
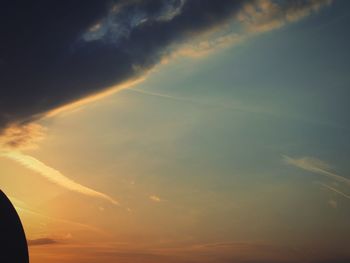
(335, 190)
(54, 175)
(157, 94)
(238, 108)
(197, 102)
(315, 166)
(23, 207)
(85, 226)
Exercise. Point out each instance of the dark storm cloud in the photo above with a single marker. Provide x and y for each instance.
(55, 52)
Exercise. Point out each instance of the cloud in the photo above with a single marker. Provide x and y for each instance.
(22, 207)
(335, 190)
(56, 239)
(161, 95)
(41, 242)
(21, 137)
(53, 175)
(235, 106)
(254, 17)
(155, 198)
(266, 15)
(55, 54)
(182, 250)
(58, 53)
(315, 166)
(89, 99)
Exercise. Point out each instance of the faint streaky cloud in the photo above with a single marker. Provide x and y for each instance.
(235, 106)
(56, 239)
(315, 166)
(335, 190)
(155, 198)
(41, 242)
(157, 94)
(53, 175)
(22, 207)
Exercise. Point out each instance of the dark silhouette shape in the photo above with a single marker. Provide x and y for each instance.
(13, 243)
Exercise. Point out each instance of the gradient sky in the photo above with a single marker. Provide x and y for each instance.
(228, 145)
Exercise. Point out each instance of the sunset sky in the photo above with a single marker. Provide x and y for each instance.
(177, 131)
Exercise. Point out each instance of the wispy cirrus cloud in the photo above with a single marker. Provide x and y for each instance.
(234, 106)
(335, 190)
(54, 175)
(24, 208)
(316, 166)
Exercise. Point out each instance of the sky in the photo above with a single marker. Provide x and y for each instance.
(177, 131)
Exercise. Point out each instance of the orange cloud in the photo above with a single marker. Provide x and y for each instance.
(22, 137)
(54, 175)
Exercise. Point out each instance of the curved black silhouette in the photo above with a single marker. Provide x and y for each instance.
(13, 243)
